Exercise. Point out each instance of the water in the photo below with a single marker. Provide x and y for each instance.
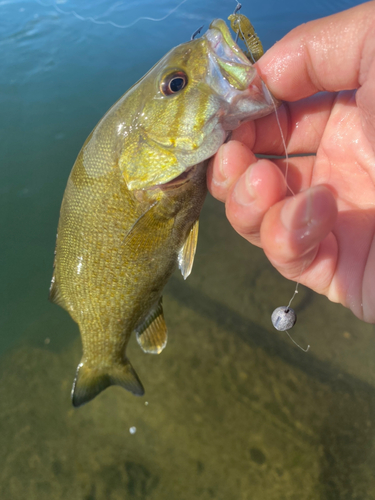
(234, 410)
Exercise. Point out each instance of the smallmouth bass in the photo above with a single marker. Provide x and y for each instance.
(129, 214)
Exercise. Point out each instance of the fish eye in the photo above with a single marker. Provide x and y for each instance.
(173, 83)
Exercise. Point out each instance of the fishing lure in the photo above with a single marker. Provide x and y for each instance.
(242, 26)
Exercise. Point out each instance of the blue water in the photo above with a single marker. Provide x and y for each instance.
(58, 76)
(234, 410)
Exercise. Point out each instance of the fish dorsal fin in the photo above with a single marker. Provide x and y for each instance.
(90, 381)
(152, 333)
(187, 253)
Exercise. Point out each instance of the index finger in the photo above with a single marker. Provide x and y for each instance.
(326, 54)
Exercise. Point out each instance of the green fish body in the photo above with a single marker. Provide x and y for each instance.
(130, 211)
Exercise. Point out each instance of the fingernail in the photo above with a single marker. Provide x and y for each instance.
(243, 192)
(301, 210)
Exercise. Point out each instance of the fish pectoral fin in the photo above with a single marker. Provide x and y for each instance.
(90, 381)
(152, 335)
(187, 253)
(147, 224)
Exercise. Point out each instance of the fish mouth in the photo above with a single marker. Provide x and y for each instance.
(233, 63)
(225, 43)
(235, 79)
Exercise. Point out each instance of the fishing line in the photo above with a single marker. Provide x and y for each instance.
(284, 317)
(238, 7)
(288, 312)
(111, 23)
(282, 139)
(294, 342)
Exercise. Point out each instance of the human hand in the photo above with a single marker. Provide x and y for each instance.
(324, 236)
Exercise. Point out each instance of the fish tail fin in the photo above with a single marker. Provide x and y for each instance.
(90, 381)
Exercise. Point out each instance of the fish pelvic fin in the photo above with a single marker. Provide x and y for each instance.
(152, 334)
(55, 295)
(187, 253)
(90, 381)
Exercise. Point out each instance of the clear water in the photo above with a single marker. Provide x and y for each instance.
(232, 409)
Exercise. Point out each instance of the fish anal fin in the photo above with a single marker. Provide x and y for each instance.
(90, 381)
(187, 253)
(152, 335)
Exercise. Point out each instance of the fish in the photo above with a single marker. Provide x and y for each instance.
(130, 211)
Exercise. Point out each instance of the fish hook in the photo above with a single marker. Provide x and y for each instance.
(196, 32)
(238, 7)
